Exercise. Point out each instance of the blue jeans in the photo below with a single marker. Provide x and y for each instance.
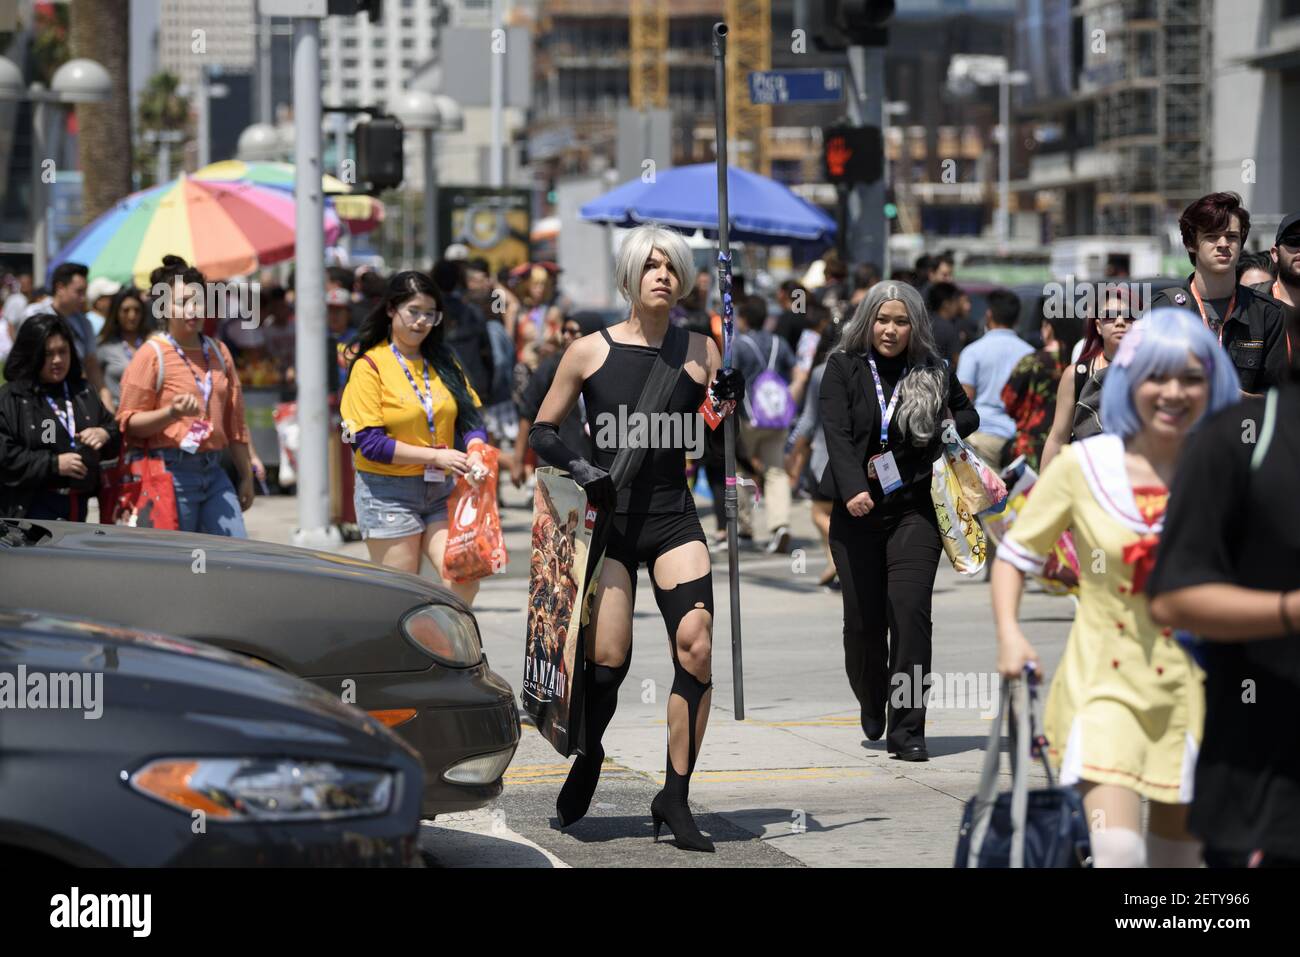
(205, 499)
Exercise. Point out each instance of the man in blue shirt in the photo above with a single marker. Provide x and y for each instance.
(983, 369)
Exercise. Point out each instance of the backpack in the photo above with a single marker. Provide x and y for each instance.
(157, 347)
(768, 400)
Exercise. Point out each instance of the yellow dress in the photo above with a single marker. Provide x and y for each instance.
(1127, 703)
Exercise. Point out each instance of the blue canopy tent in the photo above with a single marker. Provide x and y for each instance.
(762, 211)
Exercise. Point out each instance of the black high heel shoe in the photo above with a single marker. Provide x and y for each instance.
(680, 822)
(575, 796)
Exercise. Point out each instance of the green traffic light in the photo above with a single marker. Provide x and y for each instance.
(891, 210)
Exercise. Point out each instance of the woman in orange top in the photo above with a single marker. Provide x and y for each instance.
(191, 409)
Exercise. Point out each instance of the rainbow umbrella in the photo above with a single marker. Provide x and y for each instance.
(359, 213)
(224, 229)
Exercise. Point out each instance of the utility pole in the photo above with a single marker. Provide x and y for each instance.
(496, 162)
(314, 528)
(868, 236)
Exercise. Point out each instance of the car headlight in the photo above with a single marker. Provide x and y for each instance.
(253, 790)
(446, 634)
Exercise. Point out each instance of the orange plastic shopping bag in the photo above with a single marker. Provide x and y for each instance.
(476, 547)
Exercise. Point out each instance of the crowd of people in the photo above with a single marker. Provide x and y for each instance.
(1165, 432)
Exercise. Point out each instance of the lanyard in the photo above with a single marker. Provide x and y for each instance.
(1223, 319)
(130, 350)
(426, 398)
(204, 384)
(69, 423)
(886, 412)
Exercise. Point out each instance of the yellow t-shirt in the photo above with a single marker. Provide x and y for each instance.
(380, 395)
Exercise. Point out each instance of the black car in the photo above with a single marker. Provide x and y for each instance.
(126, 748)
(396, 645)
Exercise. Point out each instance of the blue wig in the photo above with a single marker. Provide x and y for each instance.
(1158, 345)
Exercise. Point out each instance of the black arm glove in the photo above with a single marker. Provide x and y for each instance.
(728, 386)
(544, 438)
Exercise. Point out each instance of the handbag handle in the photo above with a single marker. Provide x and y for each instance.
(1017, 702)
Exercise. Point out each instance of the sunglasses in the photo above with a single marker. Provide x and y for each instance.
(1108, 320)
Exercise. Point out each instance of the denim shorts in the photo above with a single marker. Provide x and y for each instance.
(396, 506)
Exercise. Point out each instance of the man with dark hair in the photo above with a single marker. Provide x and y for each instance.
(1250, 325)
(68, 299)
(865, 275)
(943, 299)
(793, 320)
(983, 369)
(465, 328)
(1255, 270)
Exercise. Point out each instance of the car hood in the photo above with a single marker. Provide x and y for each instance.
(312, 613)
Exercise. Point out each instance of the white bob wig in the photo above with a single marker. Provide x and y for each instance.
(636, 249)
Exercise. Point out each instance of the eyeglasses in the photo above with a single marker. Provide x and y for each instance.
(414, 317)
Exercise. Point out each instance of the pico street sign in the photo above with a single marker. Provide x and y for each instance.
(769, 87)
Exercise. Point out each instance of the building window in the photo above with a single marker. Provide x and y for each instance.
(349, 43)
(408, 43)
(350, 84)
(381, 83)
(408, 64)
(350, 63)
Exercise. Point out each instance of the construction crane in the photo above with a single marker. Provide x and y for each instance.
(749, 48)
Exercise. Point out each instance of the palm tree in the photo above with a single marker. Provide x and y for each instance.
(101, 31)
(160, 109)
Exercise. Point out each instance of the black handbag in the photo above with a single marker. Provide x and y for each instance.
(1022, 828)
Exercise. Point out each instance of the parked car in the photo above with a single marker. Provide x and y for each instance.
(396, 645)
(127, 748)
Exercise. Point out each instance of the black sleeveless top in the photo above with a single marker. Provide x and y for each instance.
(611, 394)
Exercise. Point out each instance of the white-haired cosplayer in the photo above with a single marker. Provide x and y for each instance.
(885, 398)
(647, 511)
(1126, 707)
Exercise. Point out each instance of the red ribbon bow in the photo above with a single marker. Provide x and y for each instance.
(1142, 556)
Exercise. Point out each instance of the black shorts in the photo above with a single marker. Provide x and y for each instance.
(636, 538)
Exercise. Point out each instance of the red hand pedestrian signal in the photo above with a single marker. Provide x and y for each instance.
(838, 155)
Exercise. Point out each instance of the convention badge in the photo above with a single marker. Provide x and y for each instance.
(434, 474)
(711, 415)
(200, 429)
(886, 470)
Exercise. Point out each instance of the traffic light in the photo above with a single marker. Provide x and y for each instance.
(853, 155)
(379, 153)
(838, 24)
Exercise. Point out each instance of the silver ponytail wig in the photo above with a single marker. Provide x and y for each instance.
(923, 391)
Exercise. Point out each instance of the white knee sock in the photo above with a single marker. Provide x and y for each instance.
(1118, 847)
(1162, 852)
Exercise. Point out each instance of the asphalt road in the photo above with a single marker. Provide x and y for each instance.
(795, 783)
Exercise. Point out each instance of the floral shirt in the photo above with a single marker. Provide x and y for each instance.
(1030, 399)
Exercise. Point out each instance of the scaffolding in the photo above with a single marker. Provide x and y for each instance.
(749, 49)
(648, 34)
(1150, 113)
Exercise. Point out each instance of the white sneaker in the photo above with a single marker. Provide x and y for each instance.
(780, 541)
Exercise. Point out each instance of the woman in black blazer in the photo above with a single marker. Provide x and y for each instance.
(884, 537)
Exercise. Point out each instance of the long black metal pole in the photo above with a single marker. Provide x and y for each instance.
(728, 334)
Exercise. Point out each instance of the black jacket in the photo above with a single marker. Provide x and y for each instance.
(1254, 335)
(851, 418)
(467, 336)
(29, 465)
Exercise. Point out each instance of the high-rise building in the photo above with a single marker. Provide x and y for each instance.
(1257, 62)
(195, 33)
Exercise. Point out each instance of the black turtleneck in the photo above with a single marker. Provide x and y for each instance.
(890, 369)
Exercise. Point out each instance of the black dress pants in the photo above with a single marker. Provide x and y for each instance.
(887, 565)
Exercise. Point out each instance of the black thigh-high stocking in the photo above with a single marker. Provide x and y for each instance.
(670, 805)
(602, 684)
